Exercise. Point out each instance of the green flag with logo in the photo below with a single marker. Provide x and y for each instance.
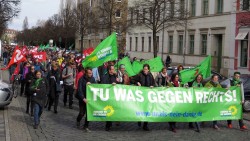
(155, 64)
(128, 67)
(203, 68)
(104, 52)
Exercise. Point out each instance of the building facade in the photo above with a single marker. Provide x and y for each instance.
(107, 16)
(212, 30)
(9, 36)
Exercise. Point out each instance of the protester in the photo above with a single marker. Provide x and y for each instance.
(96, 75)
(236, 82)
(168, 61)
(39, 89)
(68, 75)
(109, 78)
(174, 83)
(122, 76)
(29, 78)
(5, 57)
(85, 80)
(24, 71)
(214, 83)
(162, 78)
(55, 79)
(38, 66)
(144, 78)
(197, 84)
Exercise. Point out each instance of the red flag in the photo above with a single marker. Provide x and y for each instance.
(41, 56)
(25, 50)
(34, 50)
(17, 57)
(88, 51)
(16, 72)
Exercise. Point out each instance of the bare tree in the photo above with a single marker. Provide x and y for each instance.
(158, 14)
(8, 10)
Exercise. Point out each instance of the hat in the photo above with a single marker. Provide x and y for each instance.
(122, 66)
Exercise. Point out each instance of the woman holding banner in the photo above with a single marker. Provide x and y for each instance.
(144, 78)
(197, 84)
(214, 83)
(174, 83)
(162, 78)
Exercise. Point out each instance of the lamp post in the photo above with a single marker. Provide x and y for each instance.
(81, 25)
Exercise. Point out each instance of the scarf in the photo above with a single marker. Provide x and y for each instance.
(236, 82)
(214, 83)
(163, 75)
(176, 83)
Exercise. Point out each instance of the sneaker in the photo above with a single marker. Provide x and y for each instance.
(230, 126)
(173, 130)
(87, 130)
(216, 127)
(243, 128)
(78, 124)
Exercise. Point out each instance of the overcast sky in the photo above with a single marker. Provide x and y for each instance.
(35, 10)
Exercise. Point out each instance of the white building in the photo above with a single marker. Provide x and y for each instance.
(212, 32)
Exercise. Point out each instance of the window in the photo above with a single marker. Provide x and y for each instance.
(191, 44)
(136, 43)
(193, 7)
(130, 43)
(180, 49)
(142, 44)
(170, 49)
(118, 13)
(244, 53)
(131, 15)
(203, 44)
(143, 15)
(182, 8)
(205, 7)
(219, 6)
(137, 16)
(149, 44)
(172, 7)
(245, 5)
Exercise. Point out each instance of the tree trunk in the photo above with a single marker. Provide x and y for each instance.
(155, 48)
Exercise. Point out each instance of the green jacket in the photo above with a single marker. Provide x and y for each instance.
(210, 84)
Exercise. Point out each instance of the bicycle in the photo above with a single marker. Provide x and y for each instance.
(16, 88)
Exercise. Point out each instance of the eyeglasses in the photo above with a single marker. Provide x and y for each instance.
(32, 68)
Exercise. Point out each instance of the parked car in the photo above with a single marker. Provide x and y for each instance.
(245, 79)
(5, 94)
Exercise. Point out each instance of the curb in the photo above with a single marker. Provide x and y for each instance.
(6, 122)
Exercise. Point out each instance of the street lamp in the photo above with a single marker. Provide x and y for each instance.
(81, 25)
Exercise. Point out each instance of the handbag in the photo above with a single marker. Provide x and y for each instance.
(58, 87)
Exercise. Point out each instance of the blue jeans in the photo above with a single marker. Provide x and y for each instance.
(38, 110)
(5, 61)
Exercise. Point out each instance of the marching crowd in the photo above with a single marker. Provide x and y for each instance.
(42, 83)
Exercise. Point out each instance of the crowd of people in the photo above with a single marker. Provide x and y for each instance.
(43, 82)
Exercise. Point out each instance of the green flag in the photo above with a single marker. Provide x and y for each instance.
(104, 52)
(41, 47)
(45, 47)
(126, 62)
(155, 65)
(203, 68)
(137, 66)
